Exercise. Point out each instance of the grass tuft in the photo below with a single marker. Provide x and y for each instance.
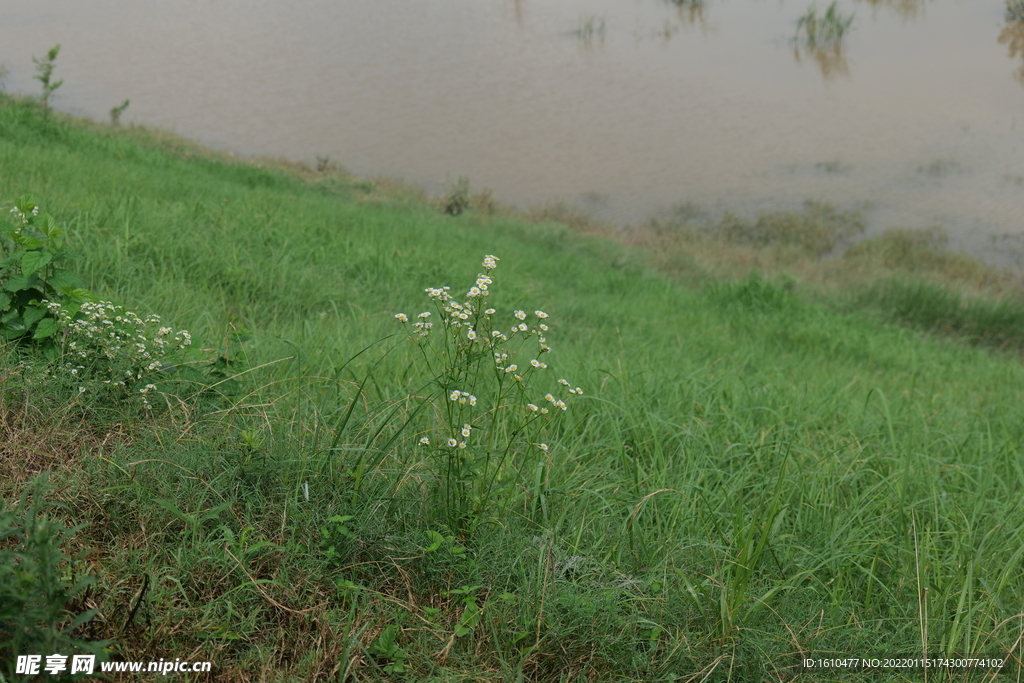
(825, 31)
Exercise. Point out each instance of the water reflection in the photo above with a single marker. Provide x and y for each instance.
(831, 61)
(691, 13)
(1012, 35)
(907, 9)
(546, 110)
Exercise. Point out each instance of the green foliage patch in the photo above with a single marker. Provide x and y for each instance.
(754, 473)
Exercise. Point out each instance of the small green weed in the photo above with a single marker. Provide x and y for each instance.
(824, 31)
(386, 650)
(40, 595)
(115, 113)
(44, 74)
(31, 276)
(456, 199)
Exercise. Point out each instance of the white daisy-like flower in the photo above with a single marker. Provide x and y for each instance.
(489, 311)
(564, 382)
(453, 442)
(471, 335)
(521, 315)
(535, 363)
(466, 430)
(532, 407)
(542, 446)
(512, 368)
(540, 314)
(424, 315)
(455, 395)
(425, 441)
(523, 327)
(401, 317)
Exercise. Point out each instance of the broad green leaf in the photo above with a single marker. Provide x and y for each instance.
(33, 314)
(13, 327)
(50, 227)
(33, 261)
(5, 301)
(62, 278)
(17, 283)
(30, 239)
(47, 327)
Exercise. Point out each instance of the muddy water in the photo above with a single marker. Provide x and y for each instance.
(920, 118)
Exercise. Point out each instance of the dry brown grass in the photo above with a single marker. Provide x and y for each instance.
(32, 440)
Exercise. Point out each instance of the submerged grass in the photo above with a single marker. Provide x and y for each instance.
(753, 476)
(825, 31)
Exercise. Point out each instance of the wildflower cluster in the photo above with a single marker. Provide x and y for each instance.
(108, 348)
(24, 214)
(469, 348)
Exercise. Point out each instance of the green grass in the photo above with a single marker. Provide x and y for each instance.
(823, 31)
(754, 472)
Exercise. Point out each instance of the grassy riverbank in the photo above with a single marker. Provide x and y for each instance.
(758, 469)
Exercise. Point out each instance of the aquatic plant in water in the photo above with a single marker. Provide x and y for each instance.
(824, 31)
(1015, 10)
(590, 26)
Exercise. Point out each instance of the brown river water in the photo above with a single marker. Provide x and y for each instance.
(919, 120)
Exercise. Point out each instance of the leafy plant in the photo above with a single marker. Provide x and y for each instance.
(472, 610)
(484, 445)
(825, 31)
(229, 362)
(44, 74)
(38, 587)
(1015, 10)
(31, 275)
(337, 538)
(456, 199)
(115, 113)
(385, 647)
